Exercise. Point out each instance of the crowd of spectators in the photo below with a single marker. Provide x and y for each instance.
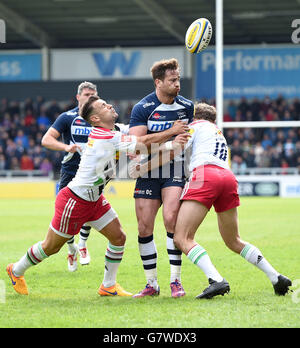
(23, 124)
(263, 147)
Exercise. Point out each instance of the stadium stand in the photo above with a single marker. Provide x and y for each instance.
(265, 150)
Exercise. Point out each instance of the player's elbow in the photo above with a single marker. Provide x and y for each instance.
(44, 141)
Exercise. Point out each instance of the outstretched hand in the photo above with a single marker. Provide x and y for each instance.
(73, 148)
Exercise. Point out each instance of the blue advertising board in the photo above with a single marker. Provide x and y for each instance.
(20, 67)
(250, 72)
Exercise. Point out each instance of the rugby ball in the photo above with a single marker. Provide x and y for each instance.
(198, 35)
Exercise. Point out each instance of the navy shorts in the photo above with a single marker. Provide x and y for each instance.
(168, 175)
(151, 188)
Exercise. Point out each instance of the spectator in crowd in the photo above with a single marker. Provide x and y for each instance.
(46, 166)
(258, 152)
(2, 162)
(23, 124)
(22, 139)
(266, 142)
(26, 162)
(14, 163)
(238, 165)
(29, 118)
(43, 119)
(284, 165)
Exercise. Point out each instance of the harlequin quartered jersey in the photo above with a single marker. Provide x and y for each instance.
(207, 144)
(99, 153)
(75, 130)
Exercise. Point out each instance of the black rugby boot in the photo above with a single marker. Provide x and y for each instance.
(214, 289)
(282, 286)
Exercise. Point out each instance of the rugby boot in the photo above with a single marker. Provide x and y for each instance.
(177, 289)
(214, 289)
(114, 290)
(282, 286)
(148, 291)
(18, 283)
(84, 256)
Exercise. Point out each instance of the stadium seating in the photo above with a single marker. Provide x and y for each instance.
(22, 125)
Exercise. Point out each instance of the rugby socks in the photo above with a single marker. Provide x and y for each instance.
(34, 256)
(254, 256)
(200, 258)
(71, 246)
(113, 258)
(83, 236)
(174, 258)
(148, 254)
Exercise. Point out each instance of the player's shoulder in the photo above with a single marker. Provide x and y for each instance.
(148, 102)
(142, 110)
(185, 102)
(73, 112)
(68, 115)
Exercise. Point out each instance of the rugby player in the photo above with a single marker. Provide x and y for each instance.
(74, 131)
(82, 200)
(153, 114)
(213, 184)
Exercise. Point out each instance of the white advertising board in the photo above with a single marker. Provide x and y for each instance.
(269, 185)
(118, 63)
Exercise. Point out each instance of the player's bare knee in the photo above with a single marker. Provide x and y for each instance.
(170, 221)
(119, 239)
(144, 229)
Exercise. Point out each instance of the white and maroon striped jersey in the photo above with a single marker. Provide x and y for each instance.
(98, 155)
(208, 145)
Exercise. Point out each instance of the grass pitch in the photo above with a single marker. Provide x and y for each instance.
(59, 298)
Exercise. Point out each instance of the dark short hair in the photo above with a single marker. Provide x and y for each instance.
(87, 108)
(205, 112)
(159, 68)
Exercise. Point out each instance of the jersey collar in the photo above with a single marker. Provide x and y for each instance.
(105, 129)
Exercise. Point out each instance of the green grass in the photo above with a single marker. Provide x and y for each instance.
(59, 298)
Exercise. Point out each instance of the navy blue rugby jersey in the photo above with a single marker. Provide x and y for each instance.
(159, 117)
(74, 130)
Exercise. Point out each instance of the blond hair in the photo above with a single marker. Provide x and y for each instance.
(205, 112)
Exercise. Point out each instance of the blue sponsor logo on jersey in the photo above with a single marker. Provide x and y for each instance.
(159, 126)
(82, 130)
